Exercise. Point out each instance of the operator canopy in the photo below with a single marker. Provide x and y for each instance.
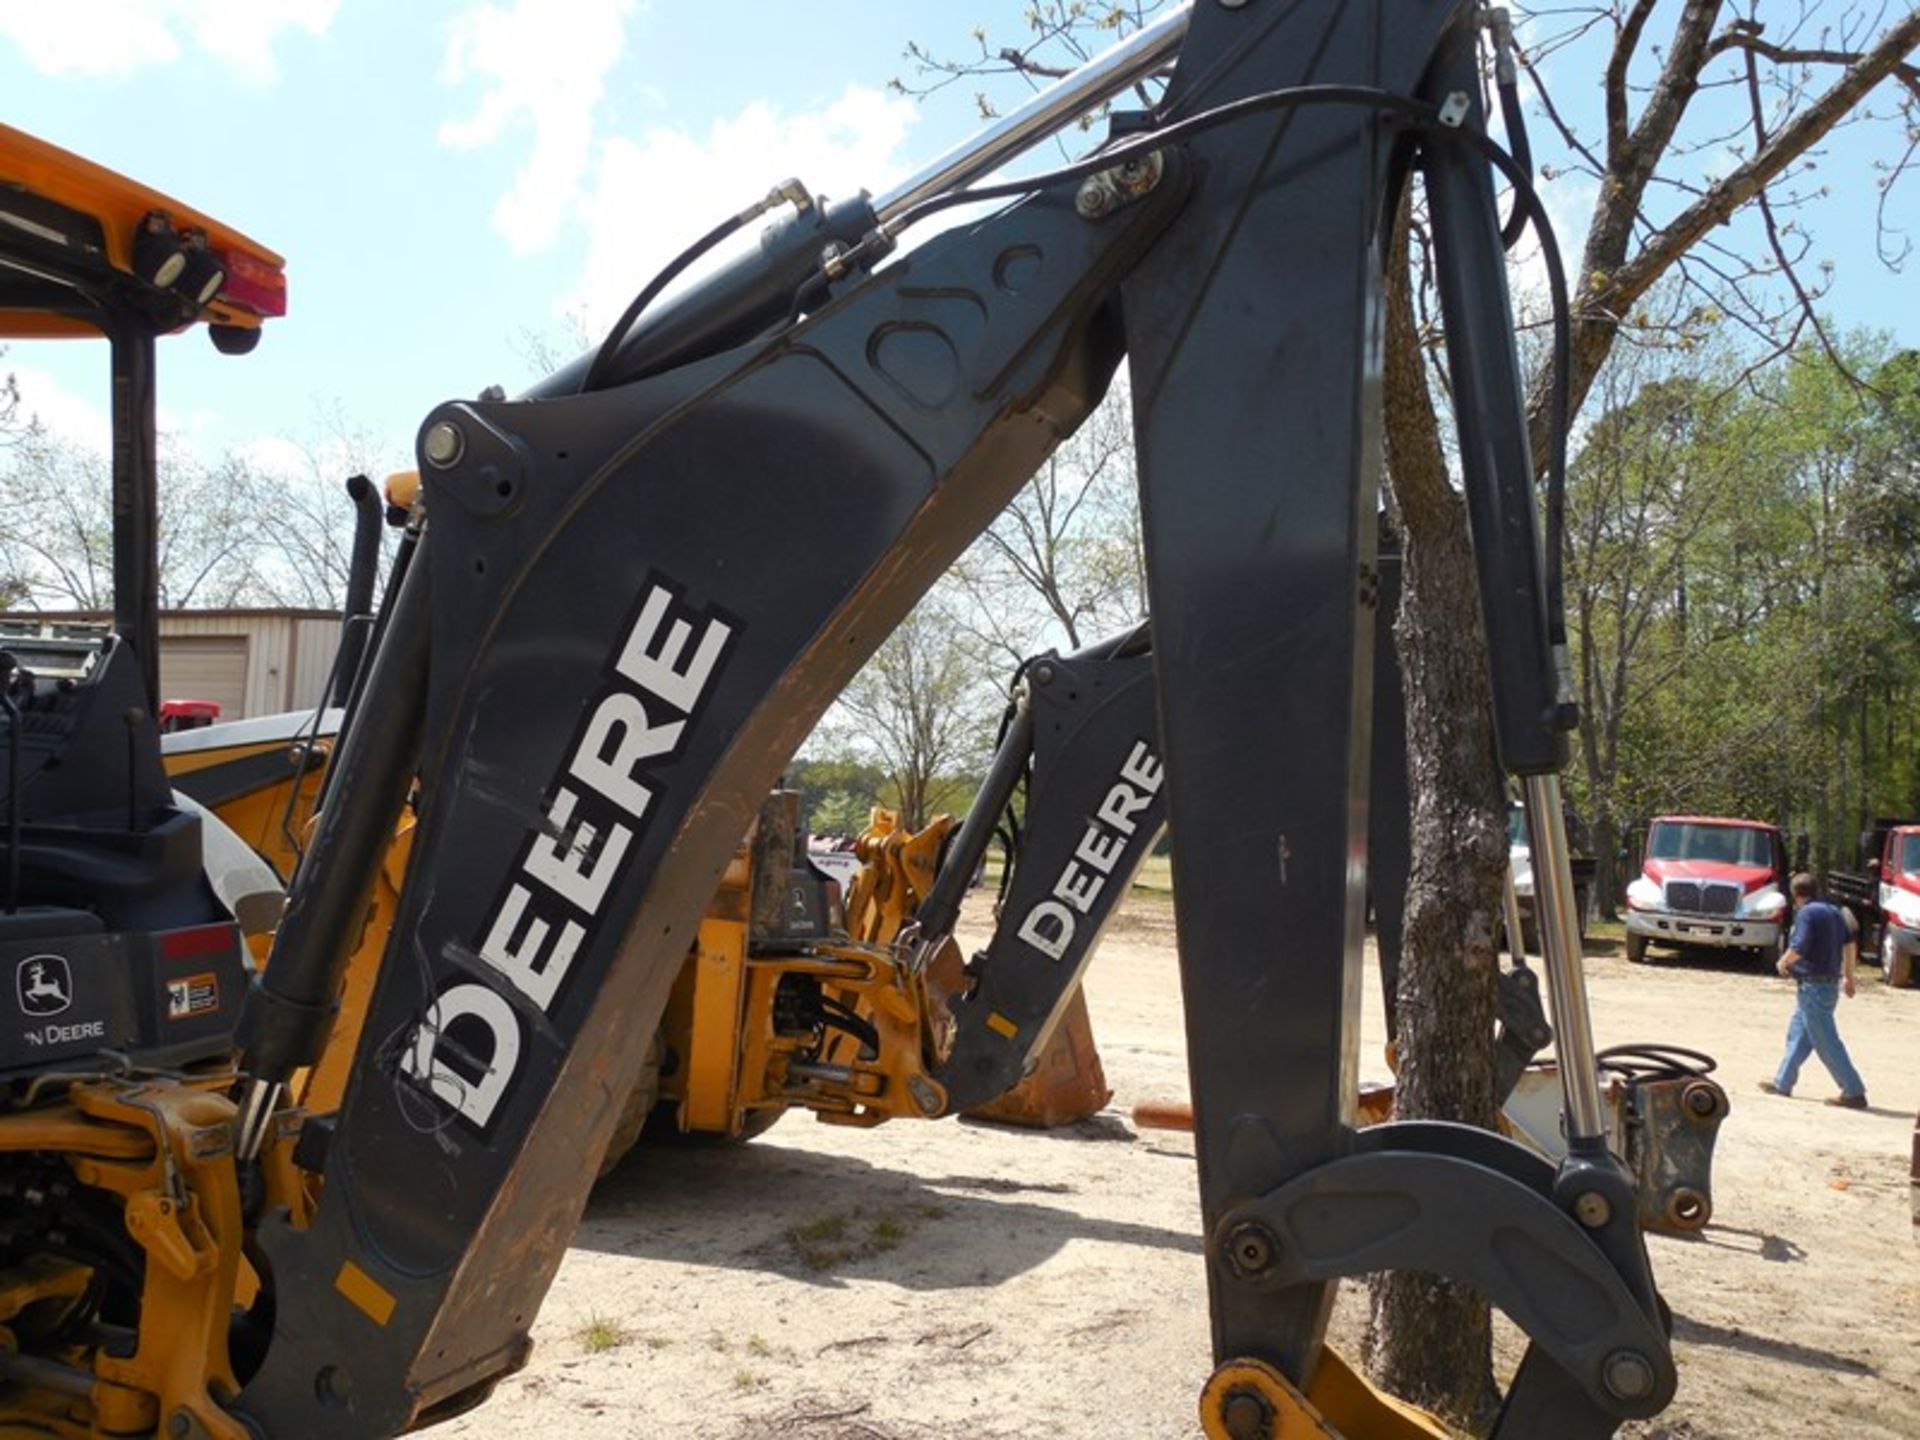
(79, 242)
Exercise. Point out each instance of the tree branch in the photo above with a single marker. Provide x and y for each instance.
(1793, 140)
(1618, 63)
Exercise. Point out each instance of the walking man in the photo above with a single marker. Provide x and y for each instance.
(1820, 956)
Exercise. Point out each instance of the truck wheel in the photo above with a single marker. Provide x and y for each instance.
(1896, 965)
(1636, 949)
(633, 1115)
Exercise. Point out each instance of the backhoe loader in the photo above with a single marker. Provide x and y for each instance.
(717, 1068)
(622, 601)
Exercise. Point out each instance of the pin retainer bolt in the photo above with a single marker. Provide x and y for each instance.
(443, 444)
(1628, 1375)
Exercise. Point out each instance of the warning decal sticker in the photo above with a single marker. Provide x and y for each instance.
(193, 995)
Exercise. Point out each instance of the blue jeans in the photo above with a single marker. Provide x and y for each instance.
(1812, 1031)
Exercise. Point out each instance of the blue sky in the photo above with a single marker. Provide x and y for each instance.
(447, 178)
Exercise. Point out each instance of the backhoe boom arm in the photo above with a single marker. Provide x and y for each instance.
(636, 600)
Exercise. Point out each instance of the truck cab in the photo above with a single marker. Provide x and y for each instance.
(1710, 882)
(1898, 874)
(1520, 867)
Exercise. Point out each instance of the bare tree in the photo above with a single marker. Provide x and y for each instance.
(920, 707)
(56, 531)
(305, 545)
(1063, 564)
(12, 426)
(232, 531)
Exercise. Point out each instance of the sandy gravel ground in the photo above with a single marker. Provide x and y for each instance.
(947, 1280)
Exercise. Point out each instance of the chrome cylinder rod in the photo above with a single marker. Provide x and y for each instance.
(1516, 935)
(1054, 108)
(1560, 958)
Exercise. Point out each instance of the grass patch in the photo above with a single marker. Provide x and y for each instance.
(844, 1237)
(827, 1228)
(745, 1379)
(1155, 877)
(757, 1346)
(600, 1334)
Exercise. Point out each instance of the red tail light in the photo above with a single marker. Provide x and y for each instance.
(200, 940)
(260, 288)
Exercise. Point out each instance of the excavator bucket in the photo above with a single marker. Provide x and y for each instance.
(1067, 1084)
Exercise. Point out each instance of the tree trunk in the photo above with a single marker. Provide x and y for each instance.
(1431, 1340)
(1608, 882)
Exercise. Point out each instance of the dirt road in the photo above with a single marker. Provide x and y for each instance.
(947, 1280)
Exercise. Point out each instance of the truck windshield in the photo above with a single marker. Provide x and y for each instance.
(1720, 844)
(1906, 858)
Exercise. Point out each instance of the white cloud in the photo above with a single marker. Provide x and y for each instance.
(80, 417)
(544, 64)
(59, 411)
(855, 141)
(1569, 200)
(111, 39)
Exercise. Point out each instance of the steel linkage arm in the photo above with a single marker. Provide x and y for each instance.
(1096, 806)
(1254, 336)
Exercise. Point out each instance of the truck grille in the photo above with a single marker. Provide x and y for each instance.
(1702, 897)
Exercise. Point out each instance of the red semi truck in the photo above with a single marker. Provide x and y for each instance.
(1886, 899)
(1710, 882)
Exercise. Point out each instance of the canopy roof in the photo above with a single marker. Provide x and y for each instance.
(69, 230)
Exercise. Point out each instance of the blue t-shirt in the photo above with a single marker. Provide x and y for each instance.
(1820, 936)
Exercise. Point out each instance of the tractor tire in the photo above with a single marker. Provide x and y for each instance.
(636, 1112)
(1636, 949)
(664, 1129)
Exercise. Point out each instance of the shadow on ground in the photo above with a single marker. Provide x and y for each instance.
(825, 1219)
(1776, 1248)
(1791, 1352)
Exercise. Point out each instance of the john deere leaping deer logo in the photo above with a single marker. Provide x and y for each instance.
(44, 984)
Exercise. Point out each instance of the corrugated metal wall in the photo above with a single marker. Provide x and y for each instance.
(289, 653)
(315, 642)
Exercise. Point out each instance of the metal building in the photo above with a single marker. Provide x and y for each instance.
(249, 662)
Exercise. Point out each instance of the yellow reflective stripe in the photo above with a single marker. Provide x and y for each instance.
(367, 1294)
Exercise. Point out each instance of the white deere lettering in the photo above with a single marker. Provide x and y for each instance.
(465, 1079)
(649, 661)
(569, 865)
(612, 771)
(1050, 925)
(534, 974)
(564, 865)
